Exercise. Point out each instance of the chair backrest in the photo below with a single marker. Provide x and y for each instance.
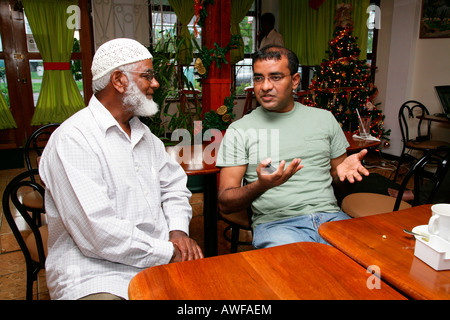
(11, 202)
(37, 142)
(422, 176)
(406, 112)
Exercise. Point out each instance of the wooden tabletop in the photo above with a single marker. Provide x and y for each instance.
(196, 159)
(379, 241)
(359, 144)
(296, 271)
(435, 118)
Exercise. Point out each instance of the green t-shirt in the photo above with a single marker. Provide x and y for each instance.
(308, 133)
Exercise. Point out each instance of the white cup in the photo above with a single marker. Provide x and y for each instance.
(440, 221)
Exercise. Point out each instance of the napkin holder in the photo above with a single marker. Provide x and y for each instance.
(435, 252)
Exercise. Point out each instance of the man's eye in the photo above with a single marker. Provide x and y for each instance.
(276, 78)
(258, 79)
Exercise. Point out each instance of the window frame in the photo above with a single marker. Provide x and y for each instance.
(256, 14)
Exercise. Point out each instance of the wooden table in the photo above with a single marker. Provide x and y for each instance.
(379, 240)
(201, 160)
(297, 271)
(357, 145)
(435, 118)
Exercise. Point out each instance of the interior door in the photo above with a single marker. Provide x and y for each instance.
(15, 59)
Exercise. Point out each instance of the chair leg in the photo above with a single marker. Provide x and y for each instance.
(400, 162)
(30, 281)
(234, 239)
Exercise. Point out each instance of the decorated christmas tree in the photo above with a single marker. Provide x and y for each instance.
(343, 83)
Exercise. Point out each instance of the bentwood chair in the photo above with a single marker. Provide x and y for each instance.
(31, 235)
(236, 221)
(427, 185)
(37, 142)
(248, 100)
(34, 147)
(423, 141)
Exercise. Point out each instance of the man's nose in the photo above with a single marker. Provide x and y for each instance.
(154, 84)
(267, 85)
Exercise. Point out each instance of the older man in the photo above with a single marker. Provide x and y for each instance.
(116, 202)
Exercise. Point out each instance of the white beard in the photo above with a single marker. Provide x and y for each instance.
(137, 102)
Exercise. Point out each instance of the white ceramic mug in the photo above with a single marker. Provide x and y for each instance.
(440, 221)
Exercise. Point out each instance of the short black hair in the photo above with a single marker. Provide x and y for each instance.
(274, 52)
(268, 19)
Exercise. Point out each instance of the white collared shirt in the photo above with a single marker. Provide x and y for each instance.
(111, 201)
(273, 38)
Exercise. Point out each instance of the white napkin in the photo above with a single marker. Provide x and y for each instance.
(369, 138)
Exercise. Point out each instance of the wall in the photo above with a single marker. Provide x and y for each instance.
(120, 19)
(432, 68)
(409, 67)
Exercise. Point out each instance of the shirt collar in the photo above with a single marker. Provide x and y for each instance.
(102, 116)
(105, 120)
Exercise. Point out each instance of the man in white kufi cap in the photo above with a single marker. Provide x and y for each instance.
(116, 202)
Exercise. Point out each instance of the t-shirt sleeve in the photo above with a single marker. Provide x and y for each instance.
(339, 143)
(232, 149)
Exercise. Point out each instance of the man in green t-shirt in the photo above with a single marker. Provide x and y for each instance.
(289, 202)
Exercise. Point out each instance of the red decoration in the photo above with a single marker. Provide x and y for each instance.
(198, 6)
(57, 65)
(315, 4)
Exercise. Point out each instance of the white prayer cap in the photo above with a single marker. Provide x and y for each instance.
(115, 53)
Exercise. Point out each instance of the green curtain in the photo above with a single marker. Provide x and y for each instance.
(6, 118)
(239, 9)
(307, 31)
(59, 97)
(184, 9)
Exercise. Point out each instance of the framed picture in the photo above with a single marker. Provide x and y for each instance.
(435, 19)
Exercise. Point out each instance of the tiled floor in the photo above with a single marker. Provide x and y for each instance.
(12, 263)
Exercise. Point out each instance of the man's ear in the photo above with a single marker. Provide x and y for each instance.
(119, 81)
(296, 81)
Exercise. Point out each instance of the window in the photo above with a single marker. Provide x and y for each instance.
(242, 73)
(372, 39)
(37, 66)
(3, 84)
(163, 21)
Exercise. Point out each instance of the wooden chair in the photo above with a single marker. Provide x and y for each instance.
(34, 147)
(248, 100)
(236, 222)
(37, 142)
(366, 204)
(300, 96)
(423, 141)
(190, 100)
(34, 244)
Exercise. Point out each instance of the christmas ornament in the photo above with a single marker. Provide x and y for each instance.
(226, 118)
(222, 110)
(198, 5)
(199, 66)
